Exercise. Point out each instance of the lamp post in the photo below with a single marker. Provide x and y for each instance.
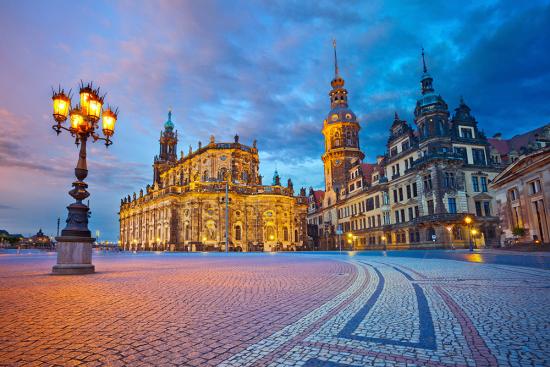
(350, 239)
(74, 248)
(450, 230)
(468, 220)
(383, 238)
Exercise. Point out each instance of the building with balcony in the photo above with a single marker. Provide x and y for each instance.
(185, 206)
(415, 195)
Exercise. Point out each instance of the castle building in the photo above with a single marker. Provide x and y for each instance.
(419, 192)
(185, 207)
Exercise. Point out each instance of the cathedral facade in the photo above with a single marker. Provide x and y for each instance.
(419, 192)
(185, 207)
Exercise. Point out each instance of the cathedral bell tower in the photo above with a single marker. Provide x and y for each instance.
(168, 148)
(341, 132)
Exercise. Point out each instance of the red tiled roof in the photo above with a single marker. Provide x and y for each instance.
(368, 170)
(504, 146)
(319, 195)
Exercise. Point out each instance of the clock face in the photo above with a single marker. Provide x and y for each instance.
(223, 158)
(337, 162)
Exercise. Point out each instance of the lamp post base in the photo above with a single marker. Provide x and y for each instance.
(73, 269)
(74, 256)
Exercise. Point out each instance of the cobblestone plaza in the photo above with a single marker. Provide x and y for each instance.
(160, 309)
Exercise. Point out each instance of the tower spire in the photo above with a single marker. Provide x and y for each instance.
(336, 71)
(424, 61)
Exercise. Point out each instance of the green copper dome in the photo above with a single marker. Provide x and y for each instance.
(169, 125)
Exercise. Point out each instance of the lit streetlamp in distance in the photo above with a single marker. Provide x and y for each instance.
(74, 248)
(450, 231)
(468, 220)
(383, 238)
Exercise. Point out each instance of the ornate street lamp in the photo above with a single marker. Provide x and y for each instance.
(74, 247)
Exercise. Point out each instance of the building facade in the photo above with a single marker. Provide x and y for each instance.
(185, 207)
(523, 198)
(419, 192)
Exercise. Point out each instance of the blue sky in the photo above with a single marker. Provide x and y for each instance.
(261, 69)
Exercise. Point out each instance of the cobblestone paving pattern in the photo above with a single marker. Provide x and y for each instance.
(273, 310)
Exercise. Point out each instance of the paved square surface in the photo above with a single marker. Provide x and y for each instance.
(282, 309)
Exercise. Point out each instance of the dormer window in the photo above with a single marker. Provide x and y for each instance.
(466, 132)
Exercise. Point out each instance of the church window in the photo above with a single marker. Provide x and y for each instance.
(238, 233)
(221, 174)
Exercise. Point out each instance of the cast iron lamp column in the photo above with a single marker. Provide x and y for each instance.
(469, 221)
(74, 247)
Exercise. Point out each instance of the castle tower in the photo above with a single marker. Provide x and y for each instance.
(431, 114)
(341, 132)
(168, 148)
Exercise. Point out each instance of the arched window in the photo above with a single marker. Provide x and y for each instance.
(337, 140)
(238, 235)
(270, 233)
(296, 235)
(205, 175)
(221, 174)
(285, 233)
(348, 139)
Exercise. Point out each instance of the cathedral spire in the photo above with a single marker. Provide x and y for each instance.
(424, 62)
(336, 71)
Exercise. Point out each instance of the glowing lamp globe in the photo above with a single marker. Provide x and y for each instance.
(77, 121)
(109, 121)
(61, 105)
(94, 108)
(86, 94)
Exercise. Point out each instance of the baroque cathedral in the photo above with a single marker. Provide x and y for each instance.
(185, 206)
(419, 192)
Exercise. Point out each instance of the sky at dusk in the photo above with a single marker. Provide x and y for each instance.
(261, 69)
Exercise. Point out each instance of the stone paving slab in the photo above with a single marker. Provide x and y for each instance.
(273, 310)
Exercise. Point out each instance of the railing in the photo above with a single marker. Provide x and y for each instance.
(437, 155)
(217, 186)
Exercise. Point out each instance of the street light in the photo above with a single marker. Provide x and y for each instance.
(468, 220)
(74, 249)
(450, 229)
(354, 242)
(384, 242)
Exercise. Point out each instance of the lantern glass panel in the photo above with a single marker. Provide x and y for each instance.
(94, 110)
(77, 120)
(109, 121)
(61, 104)
(85, 97)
